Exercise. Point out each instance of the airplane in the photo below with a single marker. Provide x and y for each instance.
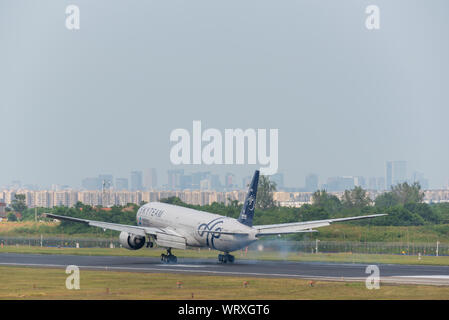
(175, 227)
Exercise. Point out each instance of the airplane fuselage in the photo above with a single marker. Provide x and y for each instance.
(194, 225)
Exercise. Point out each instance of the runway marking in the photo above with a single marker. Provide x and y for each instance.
(171, 270)
(182, 265)
(420, 280)
(445, 277)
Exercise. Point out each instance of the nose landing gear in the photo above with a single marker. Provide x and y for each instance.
(169, 257)
(226, 258)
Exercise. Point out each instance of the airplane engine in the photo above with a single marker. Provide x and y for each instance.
(131, 241)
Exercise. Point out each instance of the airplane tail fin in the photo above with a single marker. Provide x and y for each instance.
(247, 213)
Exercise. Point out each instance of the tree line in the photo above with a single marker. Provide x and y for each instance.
(403, 203)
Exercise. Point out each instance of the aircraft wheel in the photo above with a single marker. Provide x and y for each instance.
(172, 259)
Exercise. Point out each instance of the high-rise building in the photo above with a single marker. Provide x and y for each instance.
(185, 181)
(174, 178)
(197, 177)
(395, 172)
(311, 182)
(2, 210)
(136, 180)
(278, 178)
(229, 180)
(92, 183)
(360, 181)
(215, 182)
(372, 183)
(340, 183)
(419, 177)
(16, 184)
(150, 179)
(121, 184)
(381, 183)
(107, 181)
(246, 181)
(205, 184)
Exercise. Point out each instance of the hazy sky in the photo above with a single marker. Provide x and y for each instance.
(104, 99)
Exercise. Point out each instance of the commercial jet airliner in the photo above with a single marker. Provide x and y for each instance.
(175, 227)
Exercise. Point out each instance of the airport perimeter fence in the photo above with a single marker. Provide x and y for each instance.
(60, 242)
(407, 248)
(282, 246)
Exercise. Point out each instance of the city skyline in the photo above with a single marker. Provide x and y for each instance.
(180, 179)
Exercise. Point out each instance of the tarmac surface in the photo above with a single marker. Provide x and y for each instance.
(389, 273)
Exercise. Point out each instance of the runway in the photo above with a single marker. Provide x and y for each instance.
(389, 273)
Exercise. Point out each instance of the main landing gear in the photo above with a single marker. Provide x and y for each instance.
(168, 258)
(226, 258)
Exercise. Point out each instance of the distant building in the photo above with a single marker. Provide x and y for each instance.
(278, 178)
(360, 182)
(340, 183)
(419, 177)
(2, 210)
(174, 178)
(185, 181)
(372, 183)
(205, 184)
(197, 177)
(246, 182)
(16, 184)
(107, 181)
(136, 180)
(215, 182)
(121, 184)
(395, 172)
(381, 183)
(150, 179)
(311, 183)
(92, 183)
(229, 180)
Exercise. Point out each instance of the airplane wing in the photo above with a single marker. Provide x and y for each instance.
(137, 230)
(306, 226)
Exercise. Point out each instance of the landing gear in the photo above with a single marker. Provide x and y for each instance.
(225, 258)
(168, 258)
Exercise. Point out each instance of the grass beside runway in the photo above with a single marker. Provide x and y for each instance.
(253, 255)
(42, 283)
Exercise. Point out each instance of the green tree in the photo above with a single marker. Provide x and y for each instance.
(265, 189)
(386, 200)
(425, 211)
(406, 193)
(330, 203)
(12, 217)
(401, 194)
(356, 198)
(18, 204)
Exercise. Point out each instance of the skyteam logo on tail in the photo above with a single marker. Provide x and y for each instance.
(247, 213)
